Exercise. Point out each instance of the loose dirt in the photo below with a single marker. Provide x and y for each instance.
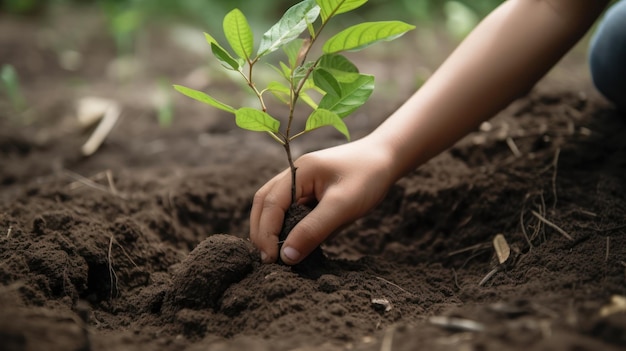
(144, 244)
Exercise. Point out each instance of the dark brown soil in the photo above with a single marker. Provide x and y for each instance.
(141, 261)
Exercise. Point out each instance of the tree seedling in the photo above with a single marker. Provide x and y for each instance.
(338, 81)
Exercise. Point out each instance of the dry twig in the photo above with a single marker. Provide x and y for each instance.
(479, 246)
(112, 275)
(395, 285)
(555, 167)
(521, 220)
(90, 183)
(514, 149)
(488, 276)
(552, 225)
(109, 175)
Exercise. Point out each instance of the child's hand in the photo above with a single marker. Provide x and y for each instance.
(346, 181)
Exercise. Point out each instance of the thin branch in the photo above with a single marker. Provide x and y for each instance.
(552, 225)
(608, 244)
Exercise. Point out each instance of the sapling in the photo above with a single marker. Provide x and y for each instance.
(341, 86)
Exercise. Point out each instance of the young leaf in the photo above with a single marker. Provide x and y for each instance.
(255, 120)
(224, 57)
(279, 90)
(321, 117)
(221, 54)
(331, 8)
(202, 97)
(289, 27)
(365, 34)
(354, 94)
(292, 50)
(238, 33)
(324, 80)
(283, 94)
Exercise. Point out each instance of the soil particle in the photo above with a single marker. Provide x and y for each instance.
(42, 329)
(204, 275)
(310, 265)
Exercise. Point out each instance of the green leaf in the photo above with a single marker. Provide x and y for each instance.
(283, 93)
(10, 82)
(292, 50)
(460, 19)
(325, 80)
(354, 95)
(342, 69)
(284, 70)
(224, 57)
(308, 100)
(337, 62)
(279, 90)
(289, 27)
(202, 97)
(255, 120)
(238, 33)
(365, 34)
(330, 8)
(321, 118)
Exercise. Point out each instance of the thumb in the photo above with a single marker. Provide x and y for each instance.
(313, 229)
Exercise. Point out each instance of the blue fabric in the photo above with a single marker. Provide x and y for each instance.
(607, 55)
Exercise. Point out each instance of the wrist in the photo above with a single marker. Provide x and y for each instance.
(384, 153)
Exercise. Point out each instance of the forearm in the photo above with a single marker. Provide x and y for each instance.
(500, 60)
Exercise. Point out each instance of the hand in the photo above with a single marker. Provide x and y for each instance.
(346, 181)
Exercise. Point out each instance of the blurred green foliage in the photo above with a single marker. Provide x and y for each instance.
(125, 18)
(9, 83)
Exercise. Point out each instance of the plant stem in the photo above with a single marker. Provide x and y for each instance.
(295, 94)
(292, 168)
(251, 84)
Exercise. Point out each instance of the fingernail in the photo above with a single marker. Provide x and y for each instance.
(263, 256)
(291, 254)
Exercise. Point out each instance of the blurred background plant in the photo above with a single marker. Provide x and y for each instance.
(125, 18)
(10, 85)
(75, 29)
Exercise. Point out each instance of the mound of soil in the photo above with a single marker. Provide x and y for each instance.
(125, 250)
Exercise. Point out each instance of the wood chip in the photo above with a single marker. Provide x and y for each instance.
(503, 251)
(617, 305)
(456, 324)
(103, 129)
(382, 304)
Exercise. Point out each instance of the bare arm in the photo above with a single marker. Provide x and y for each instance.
(499, 61)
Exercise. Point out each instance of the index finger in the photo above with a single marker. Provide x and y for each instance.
(267, 214)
